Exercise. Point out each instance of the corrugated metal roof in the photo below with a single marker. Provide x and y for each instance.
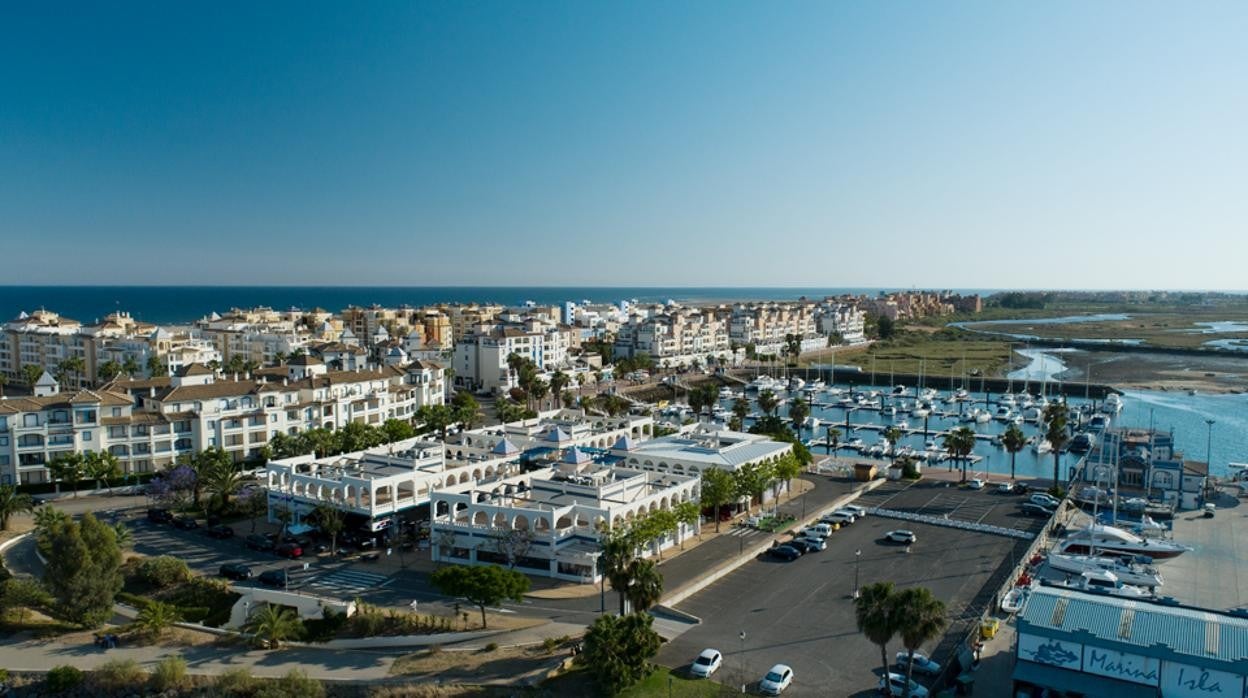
(1189, 631)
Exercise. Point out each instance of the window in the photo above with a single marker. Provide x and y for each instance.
(116, 411)
(86, 416)
(28, 440)
(86, 436)
(30, 420)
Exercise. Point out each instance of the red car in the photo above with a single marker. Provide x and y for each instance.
(290, 550)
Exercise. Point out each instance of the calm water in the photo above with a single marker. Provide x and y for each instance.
(175, 304)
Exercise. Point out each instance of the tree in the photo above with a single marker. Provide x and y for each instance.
(513, 544)
(48, 518)
(13, 502)
(125, 539)
(252, 502)
(786, 468)
(619, 649)
(156, 617)
(539, 390)
(697, 402)
(959, 443)
(108, 370)
(833, 436)
(155, 367)
(271, 625)
(885, 327)
(558, 381)
(101, 466)
(331, 522)
(1055, 432)
(920, 618)
(215, 473)
(646, 585)
(874, 613)
(718, 489)
(4, 380)
(752, 480)
(482, 586)
(71, 366)
(83, 570)
(798, 412)
(436, 417)
(892, 435)
(509, 410)
(396, 430)
(768, 402)
(130, 366)
(31, 374)
(689, 514)
(1013, 440)
(740, 410)
(465, 409)
(68, 468)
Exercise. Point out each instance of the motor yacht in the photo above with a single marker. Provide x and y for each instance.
(1100, 581)
(1101, 539)
(1135, 573)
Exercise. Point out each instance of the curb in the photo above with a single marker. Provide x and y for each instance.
(724, 570)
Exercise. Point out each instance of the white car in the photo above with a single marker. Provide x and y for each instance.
(975, 483)
(897, 686)
(1045, 500)
(1005, 488)
(706, 664)
(839, 518)
(901, 536)
(776, 680)
(923, 664)
(851, 515)
(854, 509)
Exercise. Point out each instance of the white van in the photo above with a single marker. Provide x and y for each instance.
(819, 530)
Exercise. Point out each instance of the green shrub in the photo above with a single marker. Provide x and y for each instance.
(163, 572)
(325, 628)
(294, 684)
(170, 673)
(63, 678)
(491, 647)
(118, 673)
(194, 614)
(139, 602)
(234, 683)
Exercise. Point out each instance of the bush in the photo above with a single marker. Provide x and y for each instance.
(118, 673)
(63, 678)
(163, 572)
(234, 683)
(139, 602)
(491, 647)
(169, 673)
(325, 628)
(294, 684)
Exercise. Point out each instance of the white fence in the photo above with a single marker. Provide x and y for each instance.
(954, 523)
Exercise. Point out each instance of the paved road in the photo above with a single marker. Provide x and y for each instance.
(801, 613)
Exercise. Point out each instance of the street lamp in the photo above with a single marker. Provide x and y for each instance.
(857, 568)
(742, 636)
(1209, 446)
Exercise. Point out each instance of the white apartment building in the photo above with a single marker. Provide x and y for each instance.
(844, 319)
(147, 423)
(675, 336)
(559, 509)
(766, 325)
(480, 360)
(554, 430)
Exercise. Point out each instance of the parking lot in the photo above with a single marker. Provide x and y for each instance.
(801, 613)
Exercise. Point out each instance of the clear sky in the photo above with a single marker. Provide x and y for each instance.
(984, 144)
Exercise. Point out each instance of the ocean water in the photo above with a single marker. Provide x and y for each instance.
(181, 304)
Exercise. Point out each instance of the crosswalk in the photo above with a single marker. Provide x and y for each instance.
(745, 532)
(346, 582)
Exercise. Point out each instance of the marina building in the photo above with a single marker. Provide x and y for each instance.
(1072, 643)
(695, 452)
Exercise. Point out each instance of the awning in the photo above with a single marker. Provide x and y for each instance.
(298, 529)
(1079, 682)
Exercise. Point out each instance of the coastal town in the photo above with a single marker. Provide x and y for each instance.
(331, 467)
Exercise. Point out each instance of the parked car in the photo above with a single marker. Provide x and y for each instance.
(808, 545)
(856, 510)
(290, 550)
(975, 484)
(838, 518)
(160, 516)
(849, 514)
(776, 680)
(901, 536)
(186, 523)
(923, 664)
(897, 686)
(220, 532)
(784, 552)
(1005, 488)
(236, 571)
(1045, 500)
(258, 542)
(819, 530)
(273, 578)
(1033, 509)
(706, 664)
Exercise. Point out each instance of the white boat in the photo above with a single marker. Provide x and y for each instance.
(928, 394)
(1033, 414)
(1140, 575)
(1103, 582)
(1041, 446)
(888, 411)
(1112, 404)
(1004, 413)
(900, 390)
(1099, 539)
(961, 394)
(1016, 420)
(796, 383)
(983, 417)
(816, 385)
(920, 411)
(970, 415)
(813, 423)
(902, 424)
(1013, 601)
(834, 391)
(1006, 399)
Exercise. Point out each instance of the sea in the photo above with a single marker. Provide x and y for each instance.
(185, 304)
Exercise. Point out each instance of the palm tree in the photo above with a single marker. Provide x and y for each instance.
(768, 402)
(874, 613)
(125, 539)
(646, 585)
(108, 370)
(618, 550)
(68, 468)
(329, 519)
(558, 381)
(156, 617)
(834, 438)
(959, 443)
(798, 412)
(31, 374)
(1013, 440)
(892, 435)
(101, 466)
(271, 625)
(156, 367)
(130, 366)
(921, 618)
(13, 502)
(740, 409)
(220, 477)
(1055, 432)
(696, 403)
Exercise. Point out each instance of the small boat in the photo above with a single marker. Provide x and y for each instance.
(900, 390)
(1100, 581)
(983, 417)
(1013, 601)
(888, 411)
(920, 411)
(902, 424)
(1041, 446)
(1112, 404)
(1004, 413)
(796, 383)
(813, 423)
(961, 394)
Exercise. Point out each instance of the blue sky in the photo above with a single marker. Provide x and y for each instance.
(956, 144)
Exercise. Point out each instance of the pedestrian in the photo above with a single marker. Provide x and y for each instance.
(414, 605)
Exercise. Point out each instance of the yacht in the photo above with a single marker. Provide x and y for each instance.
(1101, 581)
(902, 424)
(888, 411)
(1109, 539)
(928, 394)
(920, 410)
(1112, 404)
(971, 415)
(1016, 420)
(815, 385)
(1006, 399)
(900, 390)
(813, 423)
(1098, 422)
(983, 417)
(1082, 443)
(1033, 414)
(1137, 573)
(961, 394)
(796, 383)
(1004, 413)
(1041, 446)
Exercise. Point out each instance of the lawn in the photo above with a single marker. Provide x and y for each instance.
(580, 683)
